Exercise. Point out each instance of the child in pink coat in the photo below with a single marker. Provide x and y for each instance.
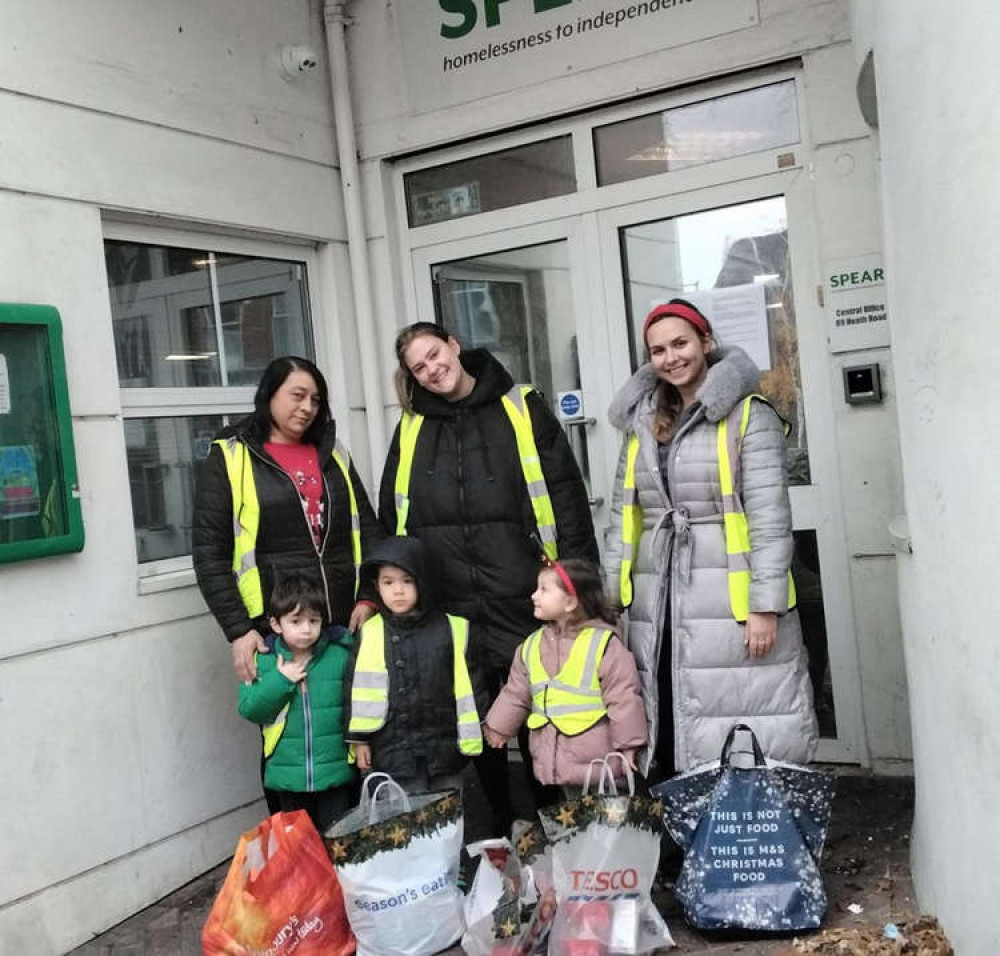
(559, 659)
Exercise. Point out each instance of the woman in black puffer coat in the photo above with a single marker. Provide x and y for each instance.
(305, 512)
(469, 504)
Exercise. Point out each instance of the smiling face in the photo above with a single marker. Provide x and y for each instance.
(293, 407)
(435, 365)
(397, 589)
(677, 351)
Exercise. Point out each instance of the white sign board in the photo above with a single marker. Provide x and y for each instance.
(455, 51)
(855, 303)
(738, 314)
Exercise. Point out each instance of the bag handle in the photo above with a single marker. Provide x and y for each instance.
(758, 754)
(590, 767)
(387, 785)
(608, 774)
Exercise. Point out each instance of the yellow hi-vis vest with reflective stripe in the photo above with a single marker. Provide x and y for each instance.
(571, 700)
(246, 519)
(272, 732)
(516, 406)
(370, 690)
(729, 435)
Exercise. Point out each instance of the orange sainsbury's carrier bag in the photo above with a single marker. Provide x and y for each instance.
(281, 896)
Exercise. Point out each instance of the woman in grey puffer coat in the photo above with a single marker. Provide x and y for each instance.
(700, 669)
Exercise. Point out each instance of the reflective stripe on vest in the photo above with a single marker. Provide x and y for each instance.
(572, 699)
(729, 435)
(370, 690)
(631, 522)
(515, 405)
(246, 519)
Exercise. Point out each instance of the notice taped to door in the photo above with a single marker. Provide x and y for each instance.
(856, 303)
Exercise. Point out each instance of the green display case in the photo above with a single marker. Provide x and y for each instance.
(40, 511)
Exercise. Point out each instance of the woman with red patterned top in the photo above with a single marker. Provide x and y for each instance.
(278, 495)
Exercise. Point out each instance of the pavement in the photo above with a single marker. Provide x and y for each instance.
(865, 867)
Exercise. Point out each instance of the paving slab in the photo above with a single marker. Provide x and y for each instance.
(866, 864)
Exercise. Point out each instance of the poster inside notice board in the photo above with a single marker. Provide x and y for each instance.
(40, 512)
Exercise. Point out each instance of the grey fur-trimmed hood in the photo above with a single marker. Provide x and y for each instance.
(732, 375)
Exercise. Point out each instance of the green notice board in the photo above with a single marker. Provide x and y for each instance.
(39, 498)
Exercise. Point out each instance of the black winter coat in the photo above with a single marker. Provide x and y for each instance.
(470, 506)
(419, 658)
(284, 541)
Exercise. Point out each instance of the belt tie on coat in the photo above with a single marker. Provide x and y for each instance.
(679, 523)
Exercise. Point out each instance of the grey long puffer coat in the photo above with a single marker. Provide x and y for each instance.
(682, 557)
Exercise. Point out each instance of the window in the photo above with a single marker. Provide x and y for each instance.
(492, 181)
(733, 125)
(193, 331)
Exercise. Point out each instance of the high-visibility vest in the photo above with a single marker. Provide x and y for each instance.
(571, 700)
(729, 435)
(515, 405)
(272, 732)
(370, 690)
(246, 519)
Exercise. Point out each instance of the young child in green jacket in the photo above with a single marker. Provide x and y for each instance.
(298, 702)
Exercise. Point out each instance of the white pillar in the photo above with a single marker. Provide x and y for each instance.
(939, 124)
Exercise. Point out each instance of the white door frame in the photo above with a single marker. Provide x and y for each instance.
(591, 329)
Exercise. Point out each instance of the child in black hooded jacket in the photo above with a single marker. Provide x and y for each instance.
(414, 698)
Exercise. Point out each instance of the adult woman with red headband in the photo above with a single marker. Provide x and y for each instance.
(699, 550)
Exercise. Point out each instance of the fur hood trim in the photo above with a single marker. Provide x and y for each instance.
(732, 375)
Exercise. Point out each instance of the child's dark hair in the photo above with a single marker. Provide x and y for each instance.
(296, 591)
(586, 578)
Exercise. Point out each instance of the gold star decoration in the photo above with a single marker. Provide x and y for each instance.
(587, 800)
(508, 928)
(447, 803)
(398, 835)
(656, 808)
(565, 816)
(525, 843)
(422, 816)
(337, 850)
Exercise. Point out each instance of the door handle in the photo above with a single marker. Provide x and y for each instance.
(595, 502)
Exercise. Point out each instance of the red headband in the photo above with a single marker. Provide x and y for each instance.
(686, 312)
(564, 577)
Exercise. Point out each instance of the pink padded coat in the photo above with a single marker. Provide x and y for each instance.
(558, 758)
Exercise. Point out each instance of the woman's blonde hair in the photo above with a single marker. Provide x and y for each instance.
(403, 378)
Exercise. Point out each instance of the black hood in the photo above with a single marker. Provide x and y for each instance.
(410, 555)
(493, 381)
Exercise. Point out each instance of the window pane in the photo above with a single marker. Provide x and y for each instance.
(163, 454)
(809, 594)
(32, 498)
(518, 304)
(725, 126)
(495, 181)
(733, 264)
(170, 333)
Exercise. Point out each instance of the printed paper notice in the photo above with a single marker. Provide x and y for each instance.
(4, 386)
(738, 314)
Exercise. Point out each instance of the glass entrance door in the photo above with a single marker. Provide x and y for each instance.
(731, 251)
(521, 295)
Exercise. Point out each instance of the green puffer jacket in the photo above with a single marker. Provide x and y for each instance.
(311, 754)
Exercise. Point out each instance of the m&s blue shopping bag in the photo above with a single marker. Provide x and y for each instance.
(754, 837)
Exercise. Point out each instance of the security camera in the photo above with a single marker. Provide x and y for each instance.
(297, 60)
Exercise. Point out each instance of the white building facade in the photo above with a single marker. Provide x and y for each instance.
(533, 175)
